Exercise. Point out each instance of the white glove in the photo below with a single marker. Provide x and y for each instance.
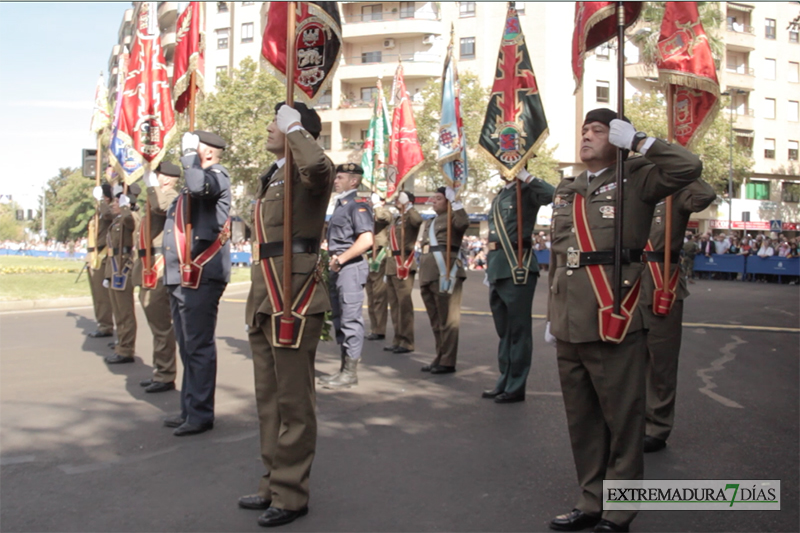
(621, 134)
(450, 194)
(106, 283)
(151, 179)
(189, 143)
(124, 200)
(457, 205)
(548, 337)
(97, 192)
(524, 176)
(376, 199)
(402, 198)
(286, 117)
(117, 190)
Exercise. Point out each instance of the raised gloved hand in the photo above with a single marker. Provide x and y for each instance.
(450, 194)
(189, 143)
(97, 192)
(124, 200)
(524, 176)
(286, 117)
(402, 198)
(376, 199)
(548, 337)
(621, 133)
(151, 179)
(106, 283)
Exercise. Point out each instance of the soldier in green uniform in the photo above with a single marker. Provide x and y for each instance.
(601, 356)
(512, 285)
(377, 256)
(97, 271)
(663, 319)
(153, 294)
(284, 376)
(441, 289)
(400, 271)
(119, 267)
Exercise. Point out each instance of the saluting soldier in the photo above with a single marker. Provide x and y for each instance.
(119, 267)
(349, 236)
(97, 267)
(198, 222)
(400, 271)
(377, 256)
(148, 275)
(601, 356)
(441, 289)
(662, 310)
(284, 374)
(511, 285)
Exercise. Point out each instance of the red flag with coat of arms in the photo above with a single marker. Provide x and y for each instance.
(189, 54)
(405, 152)
(685, 63)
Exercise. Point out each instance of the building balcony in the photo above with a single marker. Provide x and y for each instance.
(740, 37)
(742, 79)
(168, 40)
(167, 14)
(641, 71)
(417, 65)
(744, 121)
(356, 31)
(126, 26)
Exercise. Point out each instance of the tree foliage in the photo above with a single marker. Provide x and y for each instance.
(69, 205)
(10, 228)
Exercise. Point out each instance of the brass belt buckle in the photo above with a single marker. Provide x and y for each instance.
(573, 258)
(426, 249)
(255, 252)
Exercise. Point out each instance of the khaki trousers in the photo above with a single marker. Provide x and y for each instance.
(286, 402)
(377, 301)
(402, 309)
(122, 304)
(664, 346)
(101, 299)
(603, 388)
(444, 313)
(155, 303)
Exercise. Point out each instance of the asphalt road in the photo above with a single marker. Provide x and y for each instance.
(82, 447)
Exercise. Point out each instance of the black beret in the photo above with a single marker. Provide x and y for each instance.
(134, 190)
(169, 169)
(441, 190)
(411, 196)
(350, 168)
(308, 118)
(210, 139)
(603, 116)
(107, 191)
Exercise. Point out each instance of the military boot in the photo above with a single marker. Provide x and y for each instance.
(328, 379)
(347, 378)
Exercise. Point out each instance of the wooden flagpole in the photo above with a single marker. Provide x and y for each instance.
(192, 95)
(668, 205)
(618, 209)
(287, 320)
(449, 239)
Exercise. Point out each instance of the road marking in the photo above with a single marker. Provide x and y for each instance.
(17, 460)
(716, 366)
(92, 467)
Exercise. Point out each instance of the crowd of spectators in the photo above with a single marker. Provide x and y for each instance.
(69, 248)
(721, 244)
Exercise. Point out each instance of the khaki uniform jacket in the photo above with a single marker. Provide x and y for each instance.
(383, 219)
(572, 305)
(413, 220)
(120, 235)
(428, 269)
(159, 204)
(312, 181)
(692, 199)
(105, 219)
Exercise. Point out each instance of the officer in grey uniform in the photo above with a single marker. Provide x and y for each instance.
(196, 283)
(349, 236)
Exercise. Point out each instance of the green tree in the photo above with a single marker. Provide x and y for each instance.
(69, 205)
(10, 228)
(648, 113)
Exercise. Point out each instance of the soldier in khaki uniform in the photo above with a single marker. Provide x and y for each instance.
(664, 330)
(100, 297)
(442, 298)
(377, 257)
(400, 277)
(603, 380)
(155, 297)
(284, 376)
(119, 272)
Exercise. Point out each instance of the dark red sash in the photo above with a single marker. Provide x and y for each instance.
(663, 299)
(192, 269)
(403, 268)
(150, 272)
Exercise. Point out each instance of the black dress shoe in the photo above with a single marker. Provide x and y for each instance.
(400, 349)
(277, 517)
(174, 421)
(254, 501)
(192, 429)
(440, 369)
(117, 359)
(653, 444)
(375, 337)
(97, 334)
(426, 368)
(113, 344)
(604, 526)
(494, 393)
(509, 398)
(574, 520)
(390, 348)
(146, 382)
(158, 386)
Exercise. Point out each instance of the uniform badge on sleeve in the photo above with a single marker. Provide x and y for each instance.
(559, 201)
(607, 211)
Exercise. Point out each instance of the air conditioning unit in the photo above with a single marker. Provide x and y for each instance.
(428, 39)
(388, 43)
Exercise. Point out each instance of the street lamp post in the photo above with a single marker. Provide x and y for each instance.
(731, 92)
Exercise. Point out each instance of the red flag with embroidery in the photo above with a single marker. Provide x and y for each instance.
(595, 24)
(189, 54)
(405, 152)
(685, 62)
(318, 44)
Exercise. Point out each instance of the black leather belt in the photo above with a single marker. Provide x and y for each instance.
(658, 257)
(299, 246)
(396, 253)
(427, 249)
(99, 249)
(143, 253)
(124, 250)
(497, 245)
(353, 261)
(576, 259)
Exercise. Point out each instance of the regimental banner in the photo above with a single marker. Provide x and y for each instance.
(405, 152)
(515, 125)
(189, 54)
(452, 145)
(595, 24)
(100, 114)
(376, 145)
(146, 120)
(685, 62)
(318, 43)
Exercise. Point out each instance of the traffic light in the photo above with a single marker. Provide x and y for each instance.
(89, 158)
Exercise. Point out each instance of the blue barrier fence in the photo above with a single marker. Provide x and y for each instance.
(43, 253)
(719, 263)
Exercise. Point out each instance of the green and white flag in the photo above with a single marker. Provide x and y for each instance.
(376, 145)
